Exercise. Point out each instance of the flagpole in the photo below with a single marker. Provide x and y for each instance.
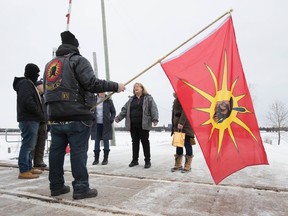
(68, 15)
(168, 54)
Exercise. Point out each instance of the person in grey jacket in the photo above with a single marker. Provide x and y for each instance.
(69, 87)
(140, 112)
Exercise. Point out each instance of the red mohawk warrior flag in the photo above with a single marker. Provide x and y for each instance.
(210, 84)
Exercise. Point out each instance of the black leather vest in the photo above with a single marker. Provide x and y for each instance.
(63, 94)
(60, 82)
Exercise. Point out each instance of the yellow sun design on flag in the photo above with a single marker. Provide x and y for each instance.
(224, 107)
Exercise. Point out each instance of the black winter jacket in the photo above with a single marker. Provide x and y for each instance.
(69, 81)
(29, 107)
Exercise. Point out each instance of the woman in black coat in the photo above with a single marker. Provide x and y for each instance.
(102, 128)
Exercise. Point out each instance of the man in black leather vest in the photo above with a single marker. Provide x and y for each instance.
(69, 87)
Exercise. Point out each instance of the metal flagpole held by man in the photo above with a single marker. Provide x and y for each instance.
(67, 29)
(68, 15)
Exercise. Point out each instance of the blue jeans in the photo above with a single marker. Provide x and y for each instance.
(29, 133)
(98, 139)
(188, 147)
(76, 134)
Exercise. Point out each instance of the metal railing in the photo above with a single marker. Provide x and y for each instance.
(9, 133)
(12, 134)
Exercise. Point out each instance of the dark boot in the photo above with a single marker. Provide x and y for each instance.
(133, 163)
(65, 189)
(96, 159)
(105, 159)
(147, 164)
(88, 194)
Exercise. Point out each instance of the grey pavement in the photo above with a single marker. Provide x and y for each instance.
(257, 190)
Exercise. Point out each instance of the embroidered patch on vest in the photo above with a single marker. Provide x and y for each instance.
(54, 70)
(65, 95)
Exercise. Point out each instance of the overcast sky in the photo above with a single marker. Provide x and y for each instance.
(139, 33)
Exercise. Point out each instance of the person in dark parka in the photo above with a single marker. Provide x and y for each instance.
(29, 115)
(102, 127)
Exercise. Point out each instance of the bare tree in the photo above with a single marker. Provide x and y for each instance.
(278, 116)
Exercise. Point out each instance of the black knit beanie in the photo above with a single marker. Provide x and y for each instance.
(68, 38)
(31, 70)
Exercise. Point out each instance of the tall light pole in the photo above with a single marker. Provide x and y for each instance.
(105, 40)
(113, 141)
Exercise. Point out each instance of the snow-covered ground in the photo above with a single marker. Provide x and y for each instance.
(161, 150)
(161, 147)
(160, 141)
(256, 190)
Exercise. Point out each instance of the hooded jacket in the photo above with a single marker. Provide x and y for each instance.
(29, 107)
(70, 84)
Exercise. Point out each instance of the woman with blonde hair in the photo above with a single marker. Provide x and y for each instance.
(140, 112)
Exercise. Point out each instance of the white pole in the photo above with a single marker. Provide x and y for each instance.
(68, 15)
(113, 141)
(54, 52)
(95, 64)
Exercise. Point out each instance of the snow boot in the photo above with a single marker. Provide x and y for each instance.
(178, 163)
(187, 165)
(96, 155)
(105, 159)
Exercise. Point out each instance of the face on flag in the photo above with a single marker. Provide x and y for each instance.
(210, 84)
